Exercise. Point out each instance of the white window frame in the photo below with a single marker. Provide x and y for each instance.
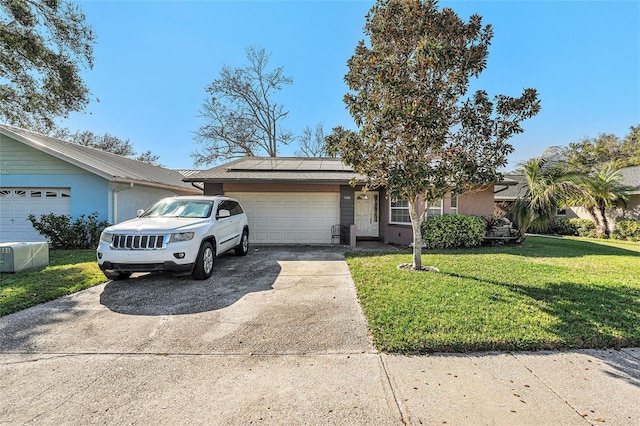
(393, 208)
(454, 205)
(434, 209)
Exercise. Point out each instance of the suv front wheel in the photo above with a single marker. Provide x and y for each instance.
(204, 262)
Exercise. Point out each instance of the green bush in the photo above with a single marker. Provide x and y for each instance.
(629, 229)
(62, 233)
(584, 227)
(564, 226)
(453, 231)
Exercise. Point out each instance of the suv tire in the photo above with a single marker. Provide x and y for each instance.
(243, 248)
(204, 262)
(117, 276)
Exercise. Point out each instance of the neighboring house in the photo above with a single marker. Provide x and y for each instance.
(505, 194)
(298, 200)
(630, 210)
(41, 175)
(631, 177)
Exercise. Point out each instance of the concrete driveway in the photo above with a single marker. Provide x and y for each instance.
(277, 337)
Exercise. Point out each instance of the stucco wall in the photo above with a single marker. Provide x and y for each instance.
(478, 203)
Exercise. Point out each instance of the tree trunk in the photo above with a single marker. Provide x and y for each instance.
(417, 233)
(593, 214)
(605, 221)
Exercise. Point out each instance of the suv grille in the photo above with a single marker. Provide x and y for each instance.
(139, 242)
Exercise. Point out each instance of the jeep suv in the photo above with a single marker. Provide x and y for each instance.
(177, 234)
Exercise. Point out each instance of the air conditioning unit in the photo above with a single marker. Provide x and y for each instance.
(19, 257)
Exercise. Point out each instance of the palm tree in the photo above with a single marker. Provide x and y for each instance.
(551, 185)
(603, 190)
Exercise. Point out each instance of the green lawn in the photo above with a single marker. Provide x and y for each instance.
(68, 271)
(547, 293)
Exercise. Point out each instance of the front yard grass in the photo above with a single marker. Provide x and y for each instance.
(69, 271)
(548, 293)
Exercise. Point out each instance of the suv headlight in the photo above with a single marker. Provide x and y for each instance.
(182, 236)
(106, 237)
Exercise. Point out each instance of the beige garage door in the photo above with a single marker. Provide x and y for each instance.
(290, 218)
(17, 203)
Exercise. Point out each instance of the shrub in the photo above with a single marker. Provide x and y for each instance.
(629, 228)
(584, 227)
(62, 233)
(453, 231)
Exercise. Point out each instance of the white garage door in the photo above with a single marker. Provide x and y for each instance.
(290, 218)
(17, 203)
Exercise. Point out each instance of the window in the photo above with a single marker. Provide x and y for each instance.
(400, 212)
(454, 205)
(435, 208)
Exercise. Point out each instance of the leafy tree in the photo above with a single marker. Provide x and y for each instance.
(417, 134)
(242, 118)
(552, 184)
(313, 144)
(109, 143)
(591, 154)
(603, 189)
(44, 45)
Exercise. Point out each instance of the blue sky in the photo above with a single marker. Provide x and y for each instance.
(153, 60)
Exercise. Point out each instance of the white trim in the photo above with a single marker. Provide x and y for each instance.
(391, 208)
(433, 206)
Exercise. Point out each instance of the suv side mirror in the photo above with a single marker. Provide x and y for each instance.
(139, 212)
(222, 213)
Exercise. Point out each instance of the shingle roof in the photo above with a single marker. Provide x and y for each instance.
(112, 167)
(280, 169)
(631, 177)
(512, 187)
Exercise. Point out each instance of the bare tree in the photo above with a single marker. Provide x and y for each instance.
(313, 145)
(108, 143)
(242, 118)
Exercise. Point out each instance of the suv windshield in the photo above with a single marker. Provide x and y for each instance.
(180, 208)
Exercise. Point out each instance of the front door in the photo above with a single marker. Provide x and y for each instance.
(366, 214)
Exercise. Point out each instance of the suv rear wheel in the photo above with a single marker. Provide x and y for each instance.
(204, 262)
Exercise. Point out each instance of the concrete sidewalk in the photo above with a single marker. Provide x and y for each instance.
(277, 338)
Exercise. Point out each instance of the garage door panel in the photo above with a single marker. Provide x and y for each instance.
(17, 203)
(290, 218)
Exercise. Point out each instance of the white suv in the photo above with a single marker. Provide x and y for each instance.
(178, 234)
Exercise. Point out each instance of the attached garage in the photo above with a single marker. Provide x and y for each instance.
(288, 200)
(290, 217)
(16, 204)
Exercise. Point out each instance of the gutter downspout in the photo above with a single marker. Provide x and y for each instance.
(115, 201)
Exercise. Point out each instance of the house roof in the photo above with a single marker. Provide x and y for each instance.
(114, 168)
(279, 169)
(631, 177)
(512, 187)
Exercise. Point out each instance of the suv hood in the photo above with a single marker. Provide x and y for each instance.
(159, 225)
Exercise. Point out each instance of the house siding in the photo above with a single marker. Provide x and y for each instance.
(19, 159)
(347, 205)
